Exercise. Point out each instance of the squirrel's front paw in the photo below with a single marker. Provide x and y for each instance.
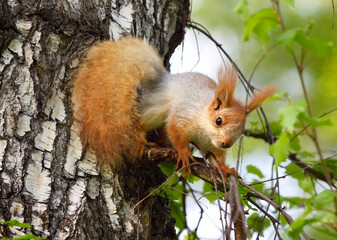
(226, 171)
(184, 157)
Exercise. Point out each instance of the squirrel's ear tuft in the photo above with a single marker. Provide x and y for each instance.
(227, 79)
(220, 99)
(258, 98)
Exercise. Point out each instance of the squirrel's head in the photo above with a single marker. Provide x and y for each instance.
(227, 113)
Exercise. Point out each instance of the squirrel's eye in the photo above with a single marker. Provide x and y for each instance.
(218, 121)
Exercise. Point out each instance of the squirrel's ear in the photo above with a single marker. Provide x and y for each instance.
(220, 99)
(227, 78)
(258, 99)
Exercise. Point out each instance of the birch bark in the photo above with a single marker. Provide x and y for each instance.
(45, 177)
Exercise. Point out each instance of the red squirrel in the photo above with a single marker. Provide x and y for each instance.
(122, 91)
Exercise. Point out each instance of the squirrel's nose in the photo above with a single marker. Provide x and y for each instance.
(226, 145)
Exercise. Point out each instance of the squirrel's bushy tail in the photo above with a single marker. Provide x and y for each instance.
(105, 93)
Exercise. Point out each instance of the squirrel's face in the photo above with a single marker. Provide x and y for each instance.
(226, 113)
(226, 126)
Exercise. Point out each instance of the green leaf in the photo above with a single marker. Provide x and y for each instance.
(254, 222)
(315, 122)
(298, 225)
(254, 124)
(211, 196)
(280, 149)
(207, 187)
(259, 187)
(173, 194)
(295, 143)
(324, 216)
(251, 207)
(328, 233)
(167, 168)
(242, 9)
(254, 170)
(295, 201)
(300, 36)
(15, 223)
(289, 113)
(307, 184)
(330, 164)
(322, 48)
(304, 181)
(192, 178)
(306, 154)
(260, 24)
(292, 169)
(287, 39)
(243, 191)
(283, 220)
(191, 236)
(178, 214)
(325, 200)
(276, 127)
(173, 180)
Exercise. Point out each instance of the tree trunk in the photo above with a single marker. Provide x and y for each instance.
(45, 177)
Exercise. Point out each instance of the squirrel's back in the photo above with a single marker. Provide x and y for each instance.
(105, 96)
(185, 94)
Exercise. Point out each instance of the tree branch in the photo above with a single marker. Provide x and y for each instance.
(306, 168)
(237, 212)
(199, 169)
(271, 202)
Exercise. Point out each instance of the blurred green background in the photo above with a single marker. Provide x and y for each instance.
(198, 53)
(277, 68)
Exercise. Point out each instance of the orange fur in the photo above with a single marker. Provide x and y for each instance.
(232, 112)
(227, 77)
(181, 142)
(105, 97)
(122, 90)
(258, 98)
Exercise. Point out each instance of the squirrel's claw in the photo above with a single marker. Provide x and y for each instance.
(184, 158)
(226, 171)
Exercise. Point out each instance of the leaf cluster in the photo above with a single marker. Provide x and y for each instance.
(14, 223)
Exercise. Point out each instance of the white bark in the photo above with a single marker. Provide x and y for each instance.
(46, 177)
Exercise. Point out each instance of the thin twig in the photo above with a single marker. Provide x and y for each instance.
(292, 157)
(198, 50)
(238, 214)
(284, 176)
(302, 130)
(215, 188)
(272, 203)
(201, 29)
(259, 62)
(333, 13)
(272, 219)
(187, 195)
(163, 184)
(201, 212)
